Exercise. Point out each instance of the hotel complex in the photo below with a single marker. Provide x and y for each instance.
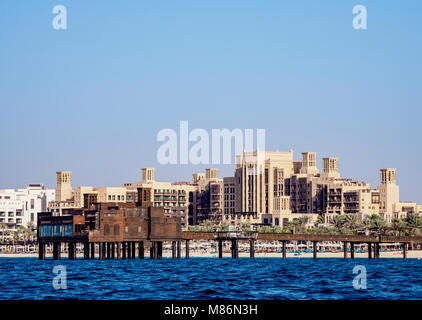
(272, 191)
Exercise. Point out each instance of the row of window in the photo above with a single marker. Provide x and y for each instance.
(57, 230)
(113, 197)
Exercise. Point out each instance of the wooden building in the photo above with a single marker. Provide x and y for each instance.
(110, 229)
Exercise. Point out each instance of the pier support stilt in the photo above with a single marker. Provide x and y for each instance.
(345, 249)
(220, 249)
(72, 250)
(159, 249)
(133, 255)
(315, 249)
(92, 250)
(100, 251)
(103, 251)
(119, 250)
(113, 250)
(129, 250)
(123, 250)
(352, 250)
(86, 250)
(179, 249)
(404, 250)
(56, 250)
(252, 249)
(151, 250)
(235, 249)
(108, 250)
(376, 250)
(284, 250)
(141, 252)
(41, 251)
(173, 249)
(369, 250)
(187, 249)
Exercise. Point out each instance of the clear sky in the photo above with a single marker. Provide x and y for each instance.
(91, 99)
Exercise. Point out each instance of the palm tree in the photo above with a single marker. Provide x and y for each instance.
(245, 226)
(3, 228)
(338, 222)
(22, 233)
(267, 229)
(320, 220)
(15, 238)
(303, 220)
(224, 226)
(351, 222)
(414, 222)
(294, 226)
(207, 226)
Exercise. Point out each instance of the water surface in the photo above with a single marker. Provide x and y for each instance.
(211, 278)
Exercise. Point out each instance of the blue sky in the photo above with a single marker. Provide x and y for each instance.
(91, 99)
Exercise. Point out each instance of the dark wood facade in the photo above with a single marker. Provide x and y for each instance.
(109, 222)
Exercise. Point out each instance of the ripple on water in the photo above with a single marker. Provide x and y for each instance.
(210, 278)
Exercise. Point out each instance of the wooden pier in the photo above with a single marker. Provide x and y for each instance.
(352, 240)
(125, 230)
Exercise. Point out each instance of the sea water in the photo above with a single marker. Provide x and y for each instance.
(211, 278)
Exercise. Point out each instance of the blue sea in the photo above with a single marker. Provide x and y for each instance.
(211, 278)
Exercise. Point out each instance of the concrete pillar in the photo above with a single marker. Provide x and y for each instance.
(252, 249)
(41, 250)
(86, 250)
(141, 252)
(404, 250)
(220, 249)
(284, 249)
(173, 249)
(345, 249)
(92, 251)
(123, 250)
(179, 249)
(187, 249)
(315, 249)
(56, 250)
(369, 250)
(352, 250)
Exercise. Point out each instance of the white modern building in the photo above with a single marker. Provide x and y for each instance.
(20, 207)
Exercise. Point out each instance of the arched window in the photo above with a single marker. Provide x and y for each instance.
(106, 229)
(116, 230)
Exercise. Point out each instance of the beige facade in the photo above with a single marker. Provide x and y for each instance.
(111, 194)
(79, 195)
(63, 186)
(389, 191)
(268, 187)
(176, 198)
